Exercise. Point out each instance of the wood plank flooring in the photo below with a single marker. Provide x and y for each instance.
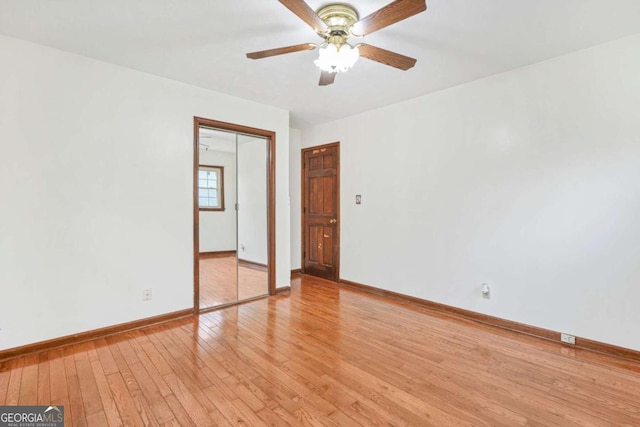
(326, 355)
(222, 281)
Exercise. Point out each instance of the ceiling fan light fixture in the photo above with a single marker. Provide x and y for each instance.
(337, 59)
(336, 24)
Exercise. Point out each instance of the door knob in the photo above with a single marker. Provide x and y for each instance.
(333, 221)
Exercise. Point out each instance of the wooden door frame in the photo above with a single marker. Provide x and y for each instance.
(271, 199)
(302, 212)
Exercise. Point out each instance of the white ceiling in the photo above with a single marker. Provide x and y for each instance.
(218, 140)
(203, 42)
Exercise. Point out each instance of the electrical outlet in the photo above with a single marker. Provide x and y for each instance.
(146, 295)
(486, 291)
(568, 339)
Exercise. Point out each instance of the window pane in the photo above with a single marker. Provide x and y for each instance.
(209, 180)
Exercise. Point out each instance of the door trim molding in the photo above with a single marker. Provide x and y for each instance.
(302, 201)
(271, 199)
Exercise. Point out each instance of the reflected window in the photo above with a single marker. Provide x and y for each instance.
(211, 188)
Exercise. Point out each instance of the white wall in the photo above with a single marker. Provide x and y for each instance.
(528, 181)
(96, 188)
(252, 199)
(295, 197)
(218, 228)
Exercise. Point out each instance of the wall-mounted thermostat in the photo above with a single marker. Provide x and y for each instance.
(358, 199)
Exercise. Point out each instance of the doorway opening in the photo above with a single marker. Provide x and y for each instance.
(321, 211)
(234, 214)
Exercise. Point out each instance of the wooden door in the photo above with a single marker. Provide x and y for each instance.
(321, 211)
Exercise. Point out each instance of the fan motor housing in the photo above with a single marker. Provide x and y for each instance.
(338, 17)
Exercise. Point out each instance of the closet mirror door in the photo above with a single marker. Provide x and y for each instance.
(217, 189)
(252, 214)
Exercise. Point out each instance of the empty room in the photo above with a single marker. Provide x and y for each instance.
(305, 212)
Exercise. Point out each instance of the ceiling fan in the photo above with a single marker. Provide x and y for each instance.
(335, 24)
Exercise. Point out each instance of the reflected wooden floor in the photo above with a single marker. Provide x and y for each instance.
(218, 278)
(326, 355)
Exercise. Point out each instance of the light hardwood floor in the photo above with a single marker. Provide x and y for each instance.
(222, 281)
(326, 355)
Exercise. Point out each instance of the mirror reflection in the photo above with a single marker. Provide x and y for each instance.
(232, 197)
(252, 216)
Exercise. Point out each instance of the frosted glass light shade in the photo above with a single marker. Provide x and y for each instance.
(337, 60)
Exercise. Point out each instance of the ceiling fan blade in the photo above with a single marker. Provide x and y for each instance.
(304, 12)
(327, 78)
(281, 51)
(386, 57)
(388, 15)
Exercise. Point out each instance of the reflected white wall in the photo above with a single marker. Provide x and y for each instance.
(252, 199)
(218, 228)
